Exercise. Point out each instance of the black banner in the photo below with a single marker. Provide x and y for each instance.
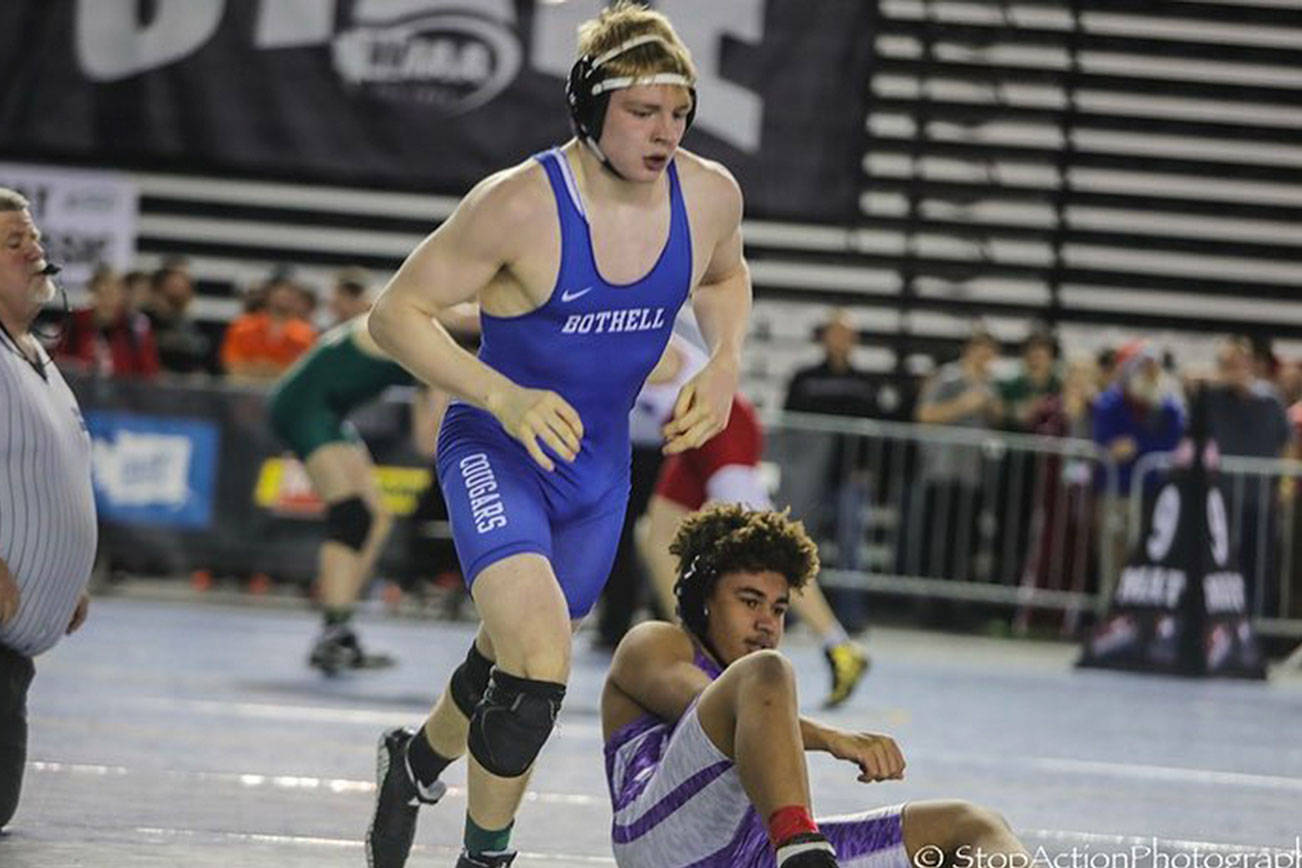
(422, 95)
(1180, 606)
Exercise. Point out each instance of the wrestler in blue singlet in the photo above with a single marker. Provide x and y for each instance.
(594, 343)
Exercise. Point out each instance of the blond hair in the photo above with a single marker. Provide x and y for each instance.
(627, 20)
(12, 200)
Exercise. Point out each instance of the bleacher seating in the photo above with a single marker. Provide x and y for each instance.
(1114, 167)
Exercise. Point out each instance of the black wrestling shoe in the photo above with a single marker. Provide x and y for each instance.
(486, 860)
(807, 851)
(338, 648)
(393, 826)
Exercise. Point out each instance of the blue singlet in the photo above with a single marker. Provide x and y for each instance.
(593, 342)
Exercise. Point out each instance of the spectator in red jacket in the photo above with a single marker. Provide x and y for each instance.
(109, 338)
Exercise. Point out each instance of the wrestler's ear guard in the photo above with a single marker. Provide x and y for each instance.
(588, 95)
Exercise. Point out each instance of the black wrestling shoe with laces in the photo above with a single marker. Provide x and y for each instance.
(486, 860)
(393, 826)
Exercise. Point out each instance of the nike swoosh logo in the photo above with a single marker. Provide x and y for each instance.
(568, 296)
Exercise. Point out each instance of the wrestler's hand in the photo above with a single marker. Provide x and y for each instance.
(878, 756)
(530, 414)
(703, 406)
(8, 594)
(79, 614)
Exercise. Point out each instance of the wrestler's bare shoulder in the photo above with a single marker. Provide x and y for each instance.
(516, 199)
(709, 185)
(664, 641)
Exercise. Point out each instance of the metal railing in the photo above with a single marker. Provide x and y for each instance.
(1265, 528)
(952, 513)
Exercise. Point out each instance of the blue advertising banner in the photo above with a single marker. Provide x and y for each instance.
(154, 470)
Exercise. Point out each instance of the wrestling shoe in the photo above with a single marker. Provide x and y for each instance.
(807, 851)
(338, 648)
(393, 826)
(849, 663)
(486, 860)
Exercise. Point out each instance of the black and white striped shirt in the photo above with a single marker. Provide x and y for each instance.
(47, 508)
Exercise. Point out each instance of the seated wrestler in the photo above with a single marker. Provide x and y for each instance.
(704, 743)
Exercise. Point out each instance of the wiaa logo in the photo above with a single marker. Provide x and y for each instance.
(454, 62)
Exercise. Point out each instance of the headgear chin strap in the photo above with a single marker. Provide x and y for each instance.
(691, 590)
(588, 95)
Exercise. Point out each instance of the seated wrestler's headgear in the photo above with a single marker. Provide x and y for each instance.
(587, 92)
(691, 591)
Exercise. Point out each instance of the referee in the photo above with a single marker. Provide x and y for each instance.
(47, 512)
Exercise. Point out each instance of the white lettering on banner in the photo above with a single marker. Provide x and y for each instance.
(112, 43)
(1150, 586)
(636, 319)
(1224, 593)
(1218, 527)
(455, 62)
(143, 469)
(735, 114)
(86, 217)
(449, 54)
(486, 505)
(289, 23)
(732, 112)
(1166, 520)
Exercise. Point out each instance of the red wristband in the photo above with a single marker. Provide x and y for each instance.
(788, 822)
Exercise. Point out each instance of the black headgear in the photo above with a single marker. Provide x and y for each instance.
(691, 590)
(588, 95)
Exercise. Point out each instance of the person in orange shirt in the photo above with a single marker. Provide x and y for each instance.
(261, 344)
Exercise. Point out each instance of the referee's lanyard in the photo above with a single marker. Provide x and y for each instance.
(37, 365)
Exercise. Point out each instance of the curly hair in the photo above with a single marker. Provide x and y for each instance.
(726, 538)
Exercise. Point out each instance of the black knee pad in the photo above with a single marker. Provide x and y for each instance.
(348, 522)
(512, 722)
(470, 680)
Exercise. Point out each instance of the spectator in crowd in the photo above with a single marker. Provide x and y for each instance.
(1291, 495)
(1137, 415)
(108, 338)
(1244, 413)
(1245, 417)
(1265, 364)
(943, 523)
(1289, 383)
(1025, 395)
(138, 289)
(183, 347)
(1036, 379)
(837, 470)
(307, 302)
(1105, 368)
(262, 343)
(1060, 546)
(351, 294)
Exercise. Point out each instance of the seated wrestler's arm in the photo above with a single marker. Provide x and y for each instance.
(653, 667)
(878, 756)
